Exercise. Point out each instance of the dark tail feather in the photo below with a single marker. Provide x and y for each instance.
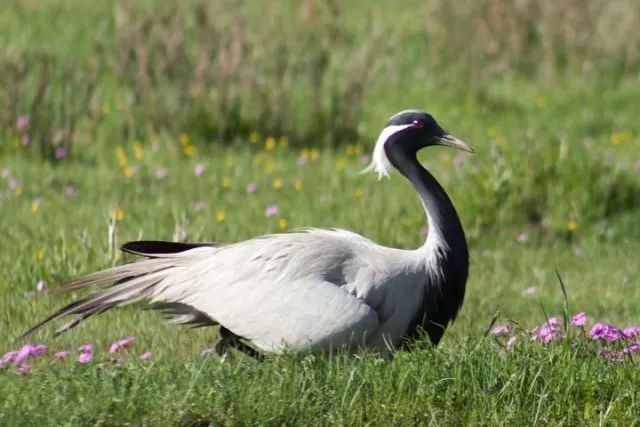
(158, 248)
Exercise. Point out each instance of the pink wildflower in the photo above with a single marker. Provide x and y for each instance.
(85, 357)
(60, 152)
(14, 183)
(41, 285)
(62, 354)
(251, 187)
(500, 330)
(198, 169)
(24, 368)
(579, 319)
(631, 331)
(8, 358)
(145, 356)
(522, 237)
(631, 348)
(529, 291)
(87, 348)
(271, 211)
(606, 332)
(511, 342)
(29, 350)
(22, 122)
(548, 331)
(302, 160)
(118, 345)
(26, 139)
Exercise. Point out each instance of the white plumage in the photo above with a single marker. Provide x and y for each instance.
(303, 291)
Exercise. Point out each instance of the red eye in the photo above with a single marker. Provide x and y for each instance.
(418, 124)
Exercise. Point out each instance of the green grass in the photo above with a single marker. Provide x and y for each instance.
(557, 160)
(469, 384)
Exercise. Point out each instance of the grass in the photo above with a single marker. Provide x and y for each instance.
(471, 384)
(554, 185)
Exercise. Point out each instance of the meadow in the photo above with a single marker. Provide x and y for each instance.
(219, 122)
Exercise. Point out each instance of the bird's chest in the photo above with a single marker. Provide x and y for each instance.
(395, 305)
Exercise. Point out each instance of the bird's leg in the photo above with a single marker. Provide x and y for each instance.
(229, 339)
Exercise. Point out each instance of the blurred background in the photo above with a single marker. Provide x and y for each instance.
(129, 119)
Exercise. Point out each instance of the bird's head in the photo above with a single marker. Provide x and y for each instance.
(404, 134)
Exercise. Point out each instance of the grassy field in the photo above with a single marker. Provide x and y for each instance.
(109, 135)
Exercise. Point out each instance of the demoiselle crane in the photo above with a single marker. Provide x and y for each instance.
(310, 290)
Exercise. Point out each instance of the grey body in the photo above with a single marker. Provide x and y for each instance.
(314, 289)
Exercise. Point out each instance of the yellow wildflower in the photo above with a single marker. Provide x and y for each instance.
(226, 182)
(358, 192)
(621, 137)
(117, 214)
(121, 156)
(341, 163)
(220, 216)
(572, 225)
(35, 205)
(189, 150)
(184, 139)
(128, 171)
(138, 151)
(270, 143)
(297, 184)
(277, 184)
(282, 223)
(40, 254)
(254, 137)
(314, 153)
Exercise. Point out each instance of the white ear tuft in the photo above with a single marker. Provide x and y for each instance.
(379, 161)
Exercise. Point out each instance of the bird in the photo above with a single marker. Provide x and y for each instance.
(308, 290)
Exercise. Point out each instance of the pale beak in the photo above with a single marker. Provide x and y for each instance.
(453, 142)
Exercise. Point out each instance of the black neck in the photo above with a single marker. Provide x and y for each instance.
(445, 252)
(443, 221)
